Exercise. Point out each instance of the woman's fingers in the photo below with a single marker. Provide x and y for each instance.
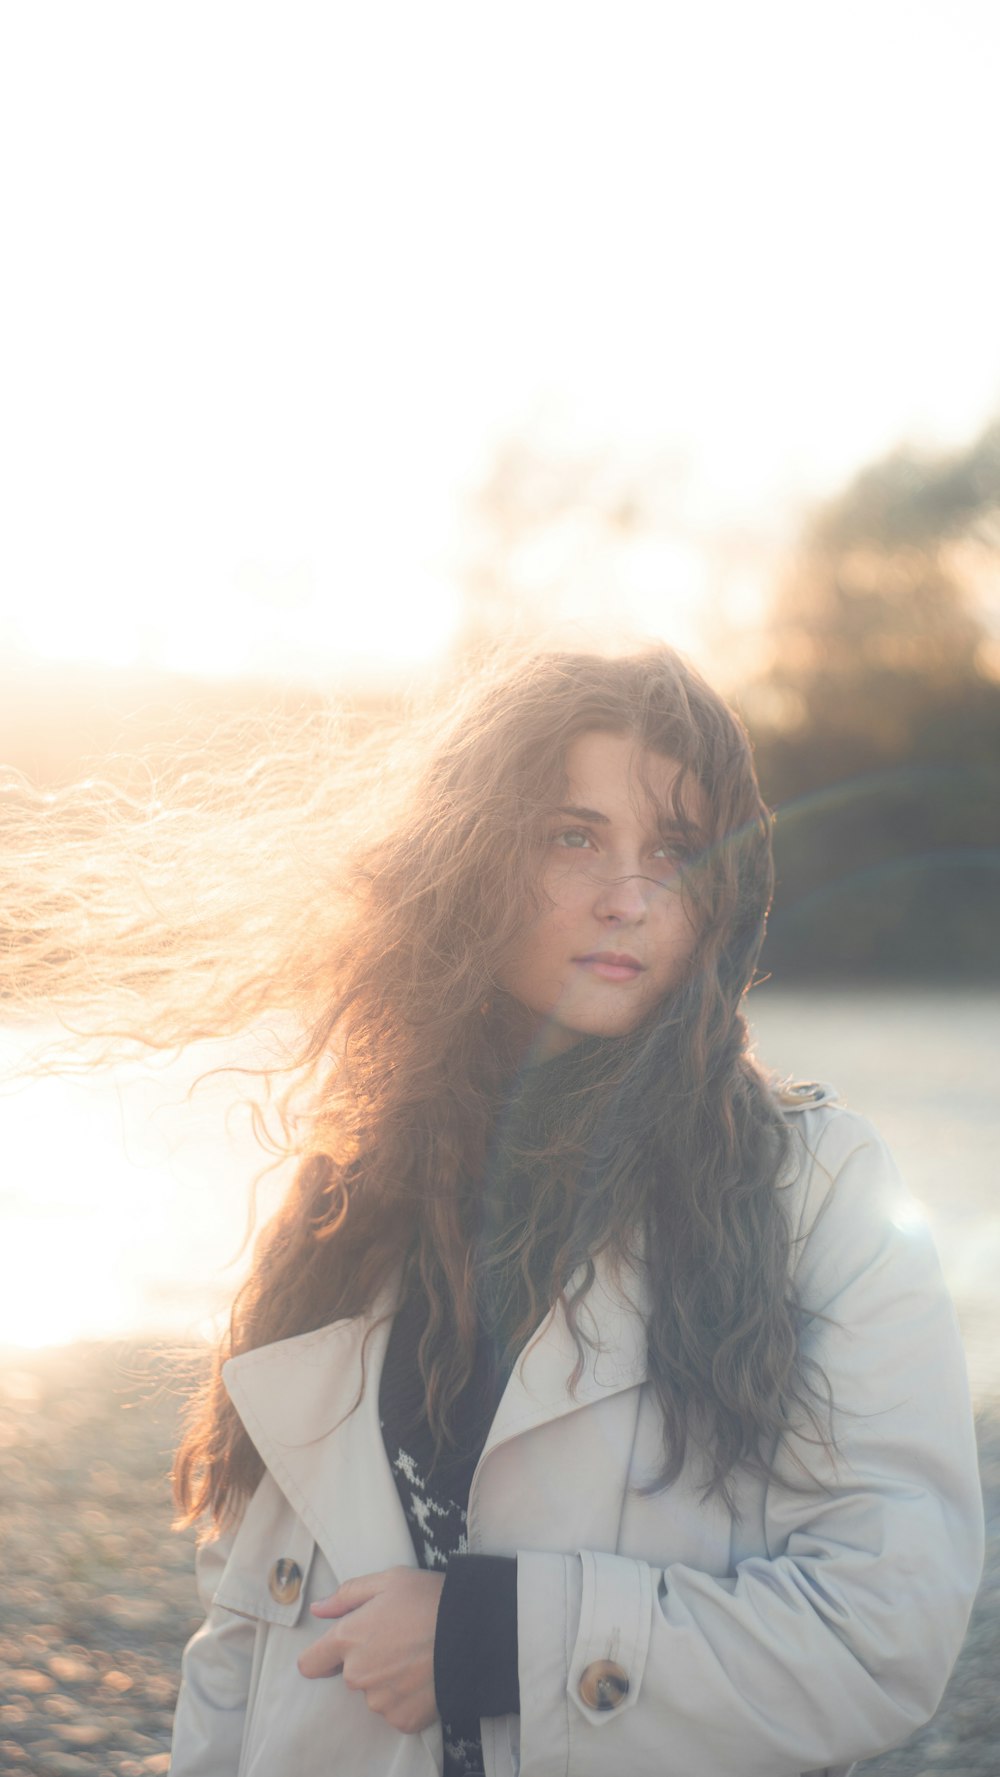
(324, 1659)
(383, 1643)
(352, 1593)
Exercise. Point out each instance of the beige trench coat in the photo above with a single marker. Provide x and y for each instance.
(814, 1626)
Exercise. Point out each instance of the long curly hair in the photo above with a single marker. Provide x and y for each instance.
(380, 904)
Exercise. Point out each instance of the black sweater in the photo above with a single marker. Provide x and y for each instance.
(475, 1654)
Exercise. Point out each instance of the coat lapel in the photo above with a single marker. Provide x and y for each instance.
(612, 1319)
(299, 1401)
(552, 1477)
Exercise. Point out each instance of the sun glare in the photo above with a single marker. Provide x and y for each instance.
(247, 626)
(59, 1284)
(243, 426)
(128, 1215)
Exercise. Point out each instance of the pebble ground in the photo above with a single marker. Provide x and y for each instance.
(98, 1596)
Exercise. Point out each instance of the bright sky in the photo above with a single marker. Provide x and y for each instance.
(279, 278)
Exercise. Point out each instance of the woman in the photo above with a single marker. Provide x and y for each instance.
(591, 1405)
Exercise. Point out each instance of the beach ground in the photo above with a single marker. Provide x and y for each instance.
(98, 1594)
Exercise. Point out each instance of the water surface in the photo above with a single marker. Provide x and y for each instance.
(124, 1204)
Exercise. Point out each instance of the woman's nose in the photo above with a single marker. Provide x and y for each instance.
(624, 897)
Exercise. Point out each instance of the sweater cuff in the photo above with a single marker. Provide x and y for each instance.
(475, 1643)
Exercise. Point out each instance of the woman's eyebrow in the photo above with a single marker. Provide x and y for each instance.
(586, 814)
(668, 824)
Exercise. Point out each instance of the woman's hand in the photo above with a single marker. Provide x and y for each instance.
(383, 1642)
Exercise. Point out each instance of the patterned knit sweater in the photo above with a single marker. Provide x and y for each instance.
(480, 1614)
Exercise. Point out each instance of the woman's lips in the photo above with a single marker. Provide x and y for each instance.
(618, 970)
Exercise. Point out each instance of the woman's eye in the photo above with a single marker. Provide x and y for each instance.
(572, 838)
(676, 850)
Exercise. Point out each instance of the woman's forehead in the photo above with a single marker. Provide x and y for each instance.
(618, 770)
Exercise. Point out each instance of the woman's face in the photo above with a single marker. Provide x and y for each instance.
(613, 934)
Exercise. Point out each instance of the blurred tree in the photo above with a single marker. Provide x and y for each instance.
(881, 692)
(875, 630)
(913, 501)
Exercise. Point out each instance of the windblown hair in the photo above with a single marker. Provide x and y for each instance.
(379, 910)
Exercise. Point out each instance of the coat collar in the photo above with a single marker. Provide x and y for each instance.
(612, 1319)
(310, 1404)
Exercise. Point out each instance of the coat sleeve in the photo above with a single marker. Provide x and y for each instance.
(836, 1642)
(215, 1677)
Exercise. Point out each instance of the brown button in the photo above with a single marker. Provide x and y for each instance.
(603, 1685)
(285, 1581)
